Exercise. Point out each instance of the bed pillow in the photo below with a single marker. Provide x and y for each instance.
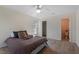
(15, 34)
(12, 34)
(22, 35)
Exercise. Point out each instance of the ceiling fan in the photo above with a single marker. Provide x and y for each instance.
(38, 8)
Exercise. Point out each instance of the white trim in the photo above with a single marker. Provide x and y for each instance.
(39, 48)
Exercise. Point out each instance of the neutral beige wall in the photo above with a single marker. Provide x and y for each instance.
(11, 20)
(54, 26)
(73, 27)
(77, 27)
(4, 31)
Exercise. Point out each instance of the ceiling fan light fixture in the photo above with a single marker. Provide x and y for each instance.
(38, 10)
(38, 6)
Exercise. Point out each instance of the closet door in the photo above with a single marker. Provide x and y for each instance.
(65, 29)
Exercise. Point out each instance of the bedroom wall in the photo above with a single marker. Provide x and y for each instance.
(73, 27)
(77, 27)
(54, 29)
(11, 20)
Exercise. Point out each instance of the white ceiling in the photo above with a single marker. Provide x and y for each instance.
(46, 11)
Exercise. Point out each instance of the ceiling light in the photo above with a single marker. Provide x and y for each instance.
(38, 8)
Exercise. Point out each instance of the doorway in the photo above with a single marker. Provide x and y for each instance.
(65, 29)
(44, 28)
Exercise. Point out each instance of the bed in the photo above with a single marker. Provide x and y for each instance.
(30, 46)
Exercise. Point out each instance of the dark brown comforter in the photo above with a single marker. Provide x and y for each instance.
(20, 46)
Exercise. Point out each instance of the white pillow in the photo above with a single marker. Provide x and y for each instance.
(12, 35)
